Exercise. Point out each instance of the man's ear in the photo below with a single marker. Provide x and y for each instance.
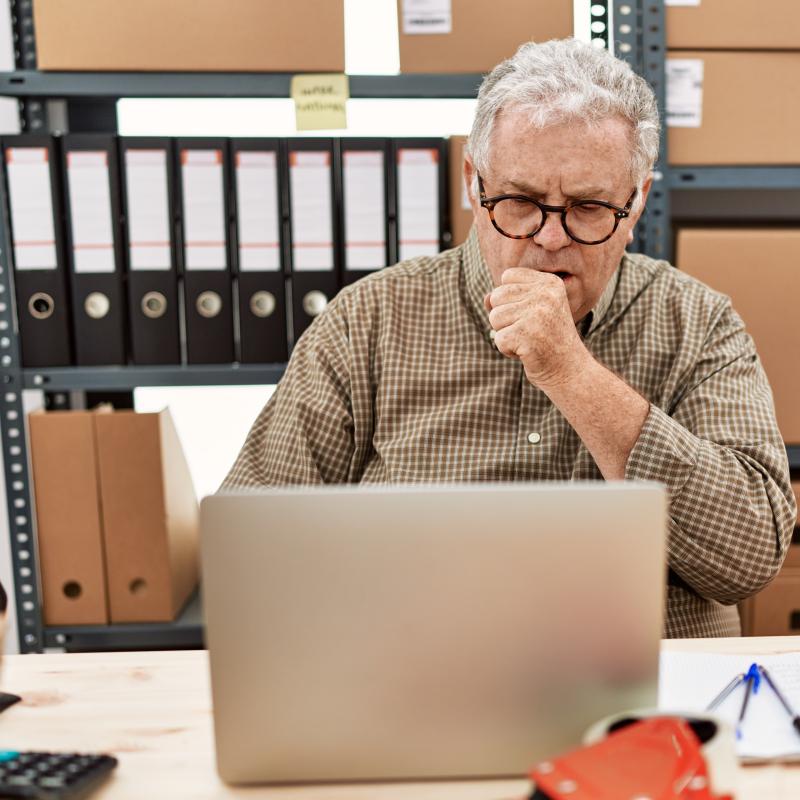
(643, 199)
(467, 177)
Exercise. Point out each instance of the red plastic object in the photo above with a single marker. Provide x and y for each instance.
(658, 758)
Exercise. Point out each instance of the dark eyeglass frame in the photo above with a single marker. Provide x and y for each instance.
(489, 203)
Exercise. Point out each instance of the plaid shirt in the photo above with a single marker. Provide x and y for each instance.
(398, 381)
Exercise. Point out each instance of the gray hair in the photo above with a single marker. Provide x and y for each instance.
(563, 80)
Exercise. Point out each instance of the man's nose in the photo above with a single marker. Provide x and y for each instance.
(552, 236)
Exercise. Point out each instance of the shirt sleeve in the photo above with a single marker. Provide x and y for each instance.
(304, 435)
(720, 453)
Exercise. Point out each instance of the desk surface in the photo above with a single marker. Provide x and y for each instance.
(153, 711)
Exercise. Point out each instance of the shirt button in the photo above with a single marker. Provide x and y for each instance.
(534, 438)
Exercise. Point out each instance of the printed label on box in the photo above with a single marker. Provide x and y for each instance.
(684, 92)
(427, 16)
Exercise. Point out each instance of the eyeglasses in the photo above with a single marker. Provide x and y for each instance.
(518, 216)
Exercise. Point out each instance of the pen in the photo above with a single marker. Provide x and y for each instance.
(784, 703)
(725, 692)
(753, 679)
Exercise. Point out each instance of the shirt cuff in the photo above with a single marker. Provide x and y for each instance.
(665, 451)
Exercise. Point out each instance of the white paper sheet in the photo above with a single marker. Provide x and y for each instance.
(148, 209)
(681, 2)
(90, 211)
(203, 209)
(690, 681)
(418, 202)
(31, 205)
(427, 16)
(684, 92)
(257, 209)
(312, 227)
(364, 210)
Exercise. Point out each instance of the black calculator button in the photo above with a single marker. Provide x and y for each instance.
(52, 782)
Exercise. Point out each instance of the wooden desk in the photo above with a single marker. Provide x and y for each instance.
(153, 711)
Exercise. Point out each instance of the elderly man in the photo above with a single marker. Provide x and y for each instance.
(540, 350)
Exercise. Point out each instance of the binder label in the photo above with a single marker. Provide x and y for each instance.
(312, 211)
(148, 210)
(203, 210)
(258, 221)
(364, 209)
(418, 202)
(31, 203)
(90, 211)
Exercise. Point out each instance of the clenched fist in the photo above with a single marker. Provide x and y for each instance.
(531, 316)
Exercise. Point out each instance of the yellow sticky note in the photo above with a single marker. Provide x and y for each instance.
(320, 101)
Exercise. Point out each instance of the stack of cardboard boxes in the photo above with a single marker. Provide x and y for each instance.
(733, 72)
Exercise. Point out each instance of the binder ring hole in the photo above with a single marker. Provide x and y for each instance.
(154, 305)
(209, 304)
(41, 305)
(262, 304)
(72, 589)
(97, 305)
(137, 586)
(314, 303)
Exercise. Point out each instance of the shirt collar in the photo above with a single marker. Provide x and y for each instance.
(478, 283)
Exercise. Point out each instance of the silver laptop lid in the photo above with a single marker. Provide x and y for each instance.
(426, 631)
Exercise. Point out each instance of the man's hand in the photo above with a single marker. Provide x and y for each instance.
(531, 316)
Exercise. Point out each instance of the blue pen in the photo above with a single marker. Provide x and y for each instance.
(753, 680)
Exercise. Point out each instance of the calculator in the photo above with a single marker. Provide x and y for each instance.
(52, 776)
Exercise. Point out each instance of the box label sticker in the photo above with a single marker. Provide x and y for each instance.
(681, 2)
(684, 92)
(427, 16)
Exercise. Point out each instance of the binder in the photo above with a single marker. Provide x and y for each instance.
(33, 186)
(368, 207)
(461, 216)
(313, 229)
(150, 516)
(421, 175)
(94, 251)
(261, 282)
(146, 169)
(204, 224)
(68, 524)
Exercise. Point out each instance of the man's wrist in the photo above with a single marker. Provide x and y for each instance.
(568, 375)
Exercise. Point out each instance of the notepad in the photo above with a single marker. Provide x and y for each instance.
(689, 682)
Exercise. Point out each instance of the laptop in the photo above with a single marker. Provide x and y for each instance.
(420, 632)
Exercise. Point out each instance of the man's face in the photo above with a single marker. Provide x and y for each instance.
(557, 165)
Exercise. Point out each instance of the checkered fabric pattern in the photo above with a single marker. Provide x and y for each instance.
(398, 382)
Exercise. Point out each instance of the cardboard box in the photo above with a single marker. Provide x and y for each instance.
(190, 35)
(482, 35)
(774, 611)
(722, 24)
(68, 524)
(760, 271)
(150, 516)
(460, 209)
(749, 113)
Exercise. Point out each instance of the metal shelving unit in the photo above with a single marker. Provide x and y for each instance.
(63, 379)
(86, 102)
(186, 632)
